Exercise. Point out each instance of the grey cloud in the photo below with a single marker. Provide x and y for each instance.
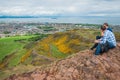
(60, 7)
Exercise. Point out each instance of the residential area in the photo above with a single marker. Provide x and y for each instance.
(13, 29)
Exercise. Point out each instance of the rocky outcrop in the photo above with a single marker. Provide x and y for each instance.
(80, 66)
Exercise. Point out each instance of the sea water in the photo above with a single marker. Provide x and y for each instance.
(76, 19)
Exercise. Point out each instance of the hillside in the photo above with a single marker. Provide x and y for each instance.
(80, 66)
(61, 44)
(12, 49)
(49, 49)
(58, 46)
(22, 53)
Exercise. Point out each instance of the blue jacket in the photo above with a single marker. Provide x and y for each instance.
(108, 36)
(109, 29)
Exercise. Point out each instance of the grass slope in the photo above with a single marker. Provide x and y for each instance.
(61, 44)
(10, 45)
(56, 53)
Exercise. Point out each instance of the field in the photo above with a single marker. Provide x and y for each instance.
(11, 49)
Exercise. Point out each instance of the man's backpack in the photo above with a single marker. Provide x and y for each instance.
(104, 47)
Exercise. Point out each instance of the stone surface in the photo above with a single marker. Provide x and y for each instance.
(81, 66)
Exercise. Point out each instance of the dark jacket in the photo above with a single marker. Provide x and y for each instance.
(109, 29)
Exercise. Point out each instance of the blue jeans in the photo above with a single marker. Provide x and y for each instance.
(98, 48)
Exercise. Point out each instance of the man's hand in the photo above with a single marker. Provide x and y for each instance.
(96, 41)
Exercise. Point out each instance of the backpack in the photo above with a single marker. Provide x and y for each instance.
(104, 47)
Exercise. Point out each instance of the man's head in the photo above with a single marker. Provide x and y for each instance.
(103, 28)
(106, 25)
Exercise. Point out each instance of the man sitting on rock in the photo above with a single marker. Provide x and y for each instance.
(98, 37)
(107, 38)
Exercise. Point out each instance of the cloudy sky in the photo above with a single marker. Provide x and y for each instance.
(60, 7)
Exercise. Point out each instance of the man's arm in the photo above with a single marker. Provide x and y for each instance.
(97, 41)
(101, 39)
(104, 38)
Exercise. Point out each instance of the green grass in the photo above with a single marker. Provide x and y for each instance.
(8, 46)
(16, 58)
(14, 48)
(56, 53)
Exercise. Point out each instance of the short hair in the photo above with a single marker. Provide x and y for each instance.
(106, 24)
(103, 28)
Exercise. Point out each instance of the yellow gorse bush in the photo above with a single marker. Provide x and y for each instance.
(66, 42)
(24, 57)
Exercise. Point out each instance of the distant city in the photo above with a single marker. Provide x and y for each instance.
(25, 28)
